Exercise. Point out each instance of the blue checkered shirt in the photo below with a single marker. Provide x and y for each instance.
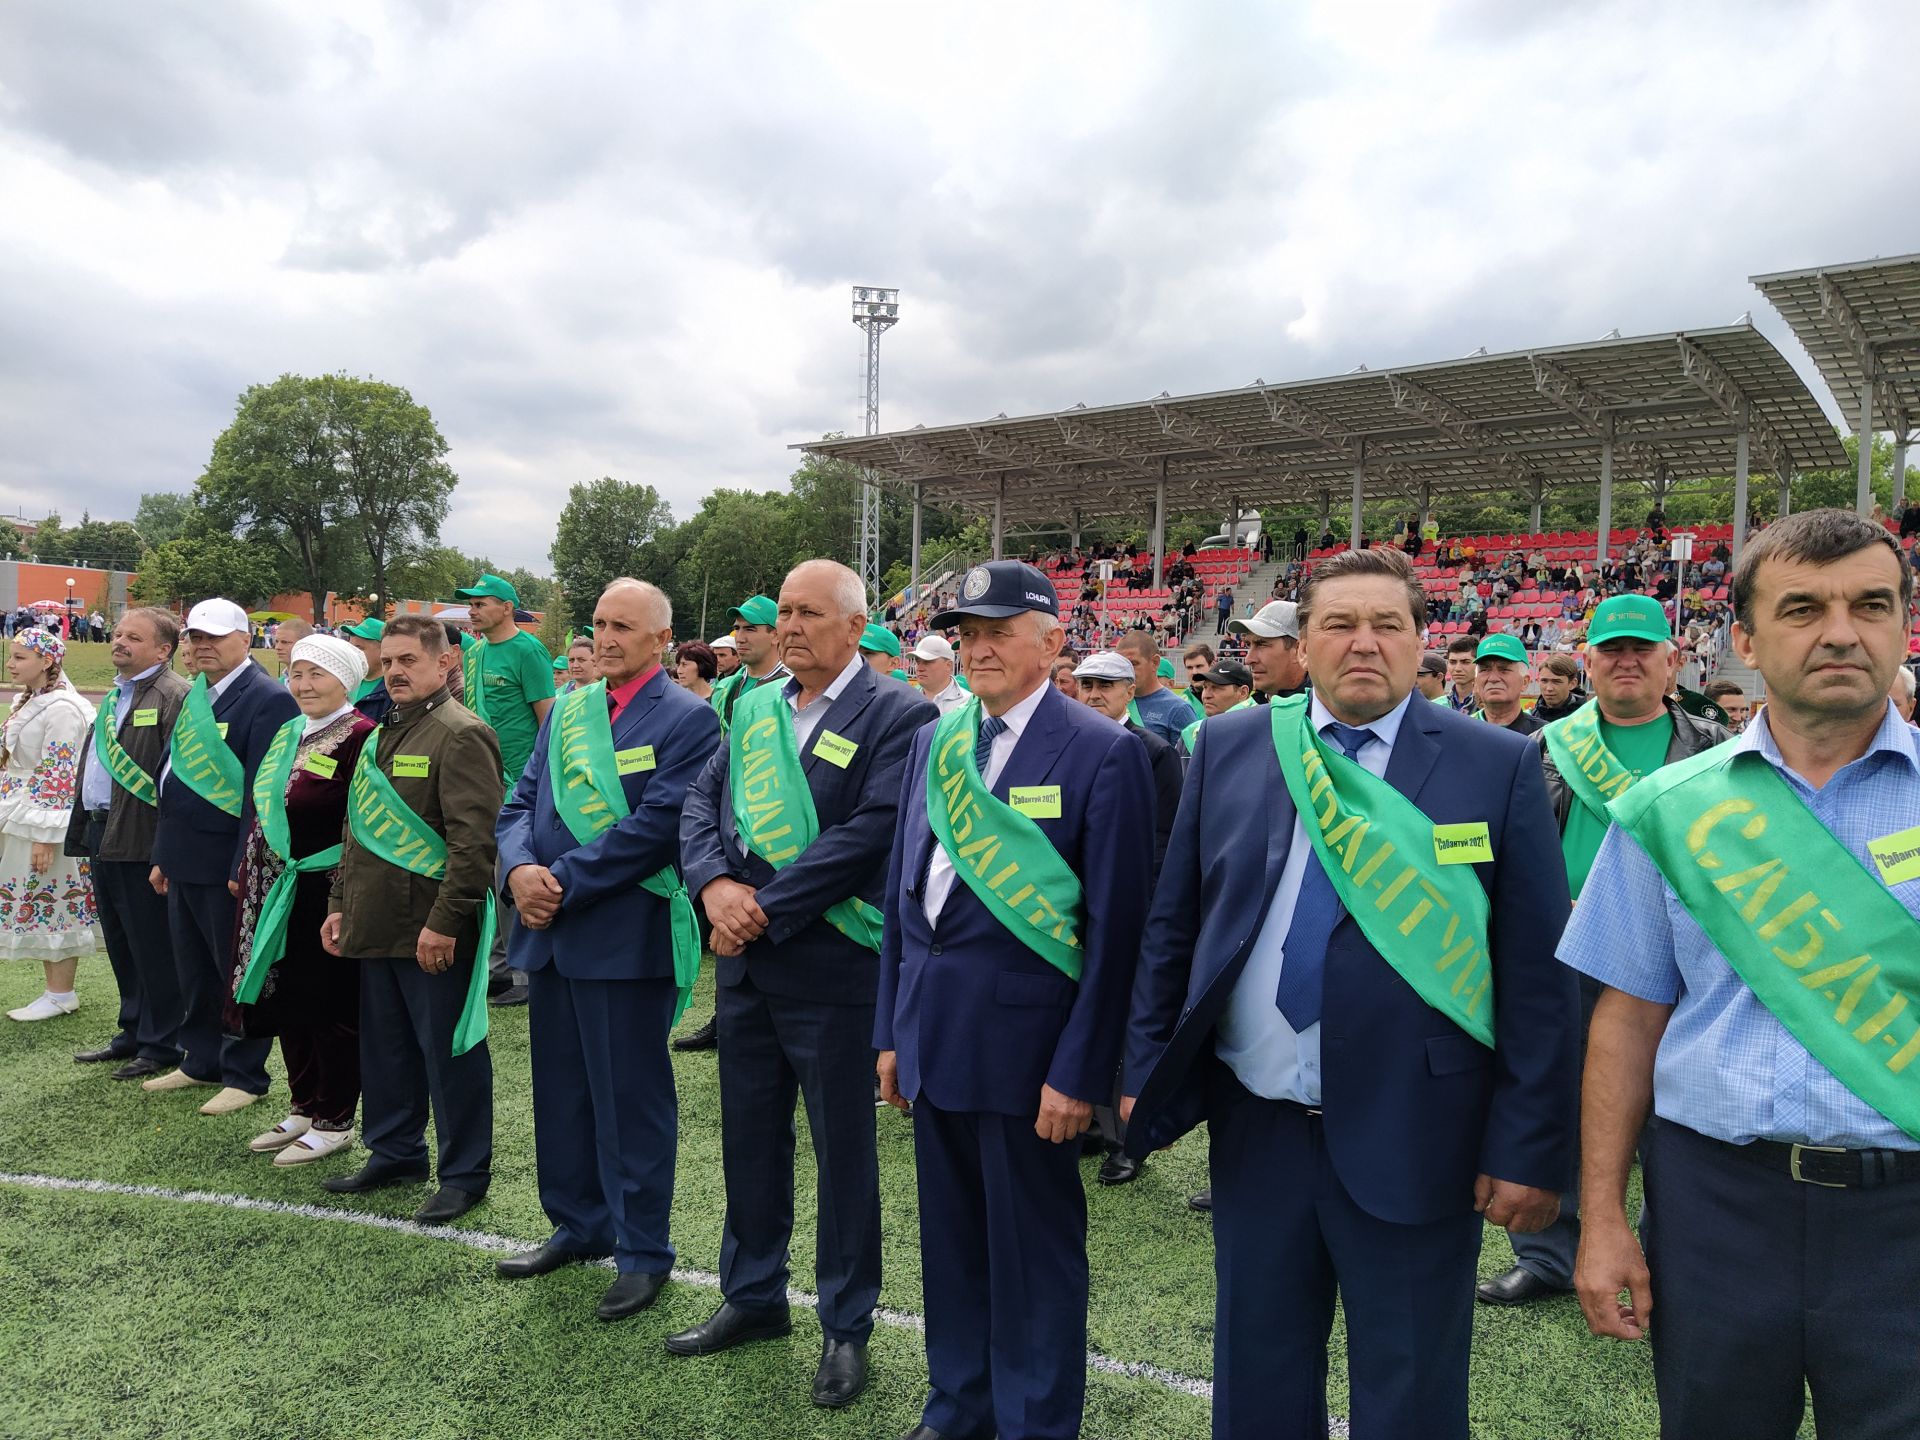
(1725, 1066)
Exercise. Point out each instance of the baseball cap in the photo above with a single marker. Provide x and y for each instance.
(1228, 672)
(1502, 647)
(1624, 617)
(1105, 665)
(722, 642)
(879, 640)
(756, 610)
(491, 585)
(1276, 618)
(933, 647)
(1164, 670)
(1433, 663)
(367, 629)
(217, 617)
(559, 663)
(998, 589)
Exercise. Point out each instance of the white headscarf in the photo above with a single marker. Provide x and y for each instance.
(339, 658)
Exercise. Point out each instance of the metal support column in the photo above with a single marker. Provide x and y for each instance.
(1160, 528)
(1863, 492)
(913, 559)
(1326, 513)
(1076, 528)
(1233, 522)
(1535, 491)
(1359, 481)
(1605, 526)
(1426, 506)
(1899, 465)
(1786, 496)
(999, 515)
(1740, 486)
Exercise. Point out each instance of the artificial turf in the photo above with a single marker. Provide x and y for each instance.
(137, 1316)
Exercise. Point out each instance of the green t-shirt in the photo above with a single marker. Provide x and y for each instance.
(1642, 749)
(517, 673)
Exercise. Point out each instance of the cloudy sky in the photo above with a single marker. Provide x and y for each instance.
(618, 238)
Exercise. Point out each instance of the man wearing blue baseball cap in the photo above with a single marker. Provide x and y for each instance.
(1014, 904)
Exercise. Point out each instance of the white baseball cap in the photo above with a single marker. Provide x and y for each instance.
(722, 642)
(217, 617)
(1276, 618)
(933, 647)
(1104, 665)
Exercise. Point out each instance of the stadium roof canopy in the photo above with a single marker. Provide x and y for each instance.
(1658, 407)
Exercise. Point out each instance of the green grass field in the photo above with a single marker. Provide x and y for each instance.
(145, 1316)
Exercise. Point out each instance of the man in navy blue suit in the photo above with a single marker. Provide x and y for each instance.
(197, 845)
(596, 943)
(784, 839)
(1376, 1080)
(1010, 943)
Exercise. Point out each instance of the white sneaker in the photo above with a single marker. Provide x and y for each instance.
(282, 1135)
(314, 1145)
(45, 1008)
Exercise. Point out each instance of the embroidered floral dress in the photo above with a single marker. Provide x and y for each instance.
(49, 916)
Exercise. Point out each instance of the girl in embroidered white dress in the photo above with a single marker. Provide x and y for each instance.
(47, 910)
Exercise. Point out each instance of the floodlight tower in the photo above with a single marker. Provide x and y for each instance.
(875, 312)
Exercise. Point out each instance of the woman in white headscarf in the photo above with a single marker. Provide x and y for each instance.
(284, 984)
(47, 909)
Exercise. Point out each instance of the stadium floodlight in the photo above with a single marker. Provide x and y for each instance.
(876, 310)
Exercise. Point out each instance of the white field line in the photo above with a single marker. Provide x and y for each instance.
(500, 1244)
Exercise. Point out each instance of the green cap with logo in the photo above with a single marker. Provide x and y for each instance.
(1629, 617)
(491, 586)
(367, 629)
(756, 610)
(1502, 647)
(880, 640)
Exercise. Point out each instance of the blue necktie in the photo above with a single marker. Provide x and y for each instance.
(1315, 912)
(990, 727)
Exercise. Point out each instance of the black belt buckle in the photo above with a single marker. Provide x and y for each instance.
(1793, 1164)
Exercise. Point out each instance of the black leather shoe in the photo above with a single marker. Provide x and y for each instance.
(728, 1327)
(515, 994)
(1092, 1142)
(137, 1068)
(542, 1261)
(1516, 1287)
(842, 1374)
(1203, 1202)
(629, 1295)
(370, 1177)
(927, 1432)
(707, 1037)
(102, 1055)
(449, 1202)
(1118, 1169)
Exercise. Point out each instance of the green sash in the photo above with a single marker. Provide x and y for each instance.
(387, 828)
(1771, 891)
(1199, 705)
(1186, 735)
(1133, 713)
(772, 806)
(1006, 859)
(473, 675)
(270, 804)
(1357, 823)
(125, 770)
(201, 757)
(584, 774)
(1593, 772)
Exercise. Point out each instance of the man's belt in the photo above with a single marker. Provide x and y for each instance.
(1831, 1165)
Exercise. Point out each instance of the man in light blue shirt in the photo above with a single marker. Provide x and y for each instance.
(1786, 1206)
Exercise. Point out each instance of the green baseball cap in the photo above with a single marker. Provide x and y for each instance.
(1629, 617)
(368, 629)
(559, 663)
(491, 585)
(1502, 647)
(756, 610)
(1164, 669)
(880, 640)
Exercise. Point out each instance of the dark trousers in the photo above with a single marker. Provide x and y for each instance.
(133, 921)
(1003, 1259)
(1549, 1254)
(1286, 1237)
(406, 1060)
(605, 1117)
(774, 1048)
(323, 1070)
(1765, 1287)
(200, 918)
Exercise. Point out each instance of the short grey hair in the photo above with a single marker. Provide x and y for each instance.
(1904, 682)
(848, 590)
(659, 606)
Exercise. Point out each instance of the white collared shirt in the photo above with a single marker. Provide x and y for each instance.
(807, 719)
(1271, 1058)
(951, 698)
(214, 692)
(940, 872)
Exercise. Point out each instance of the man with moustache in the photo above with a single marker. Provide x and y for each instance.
(227, 719)
(1015, 895)
(784, 838)
(113, 822)
(606, 934)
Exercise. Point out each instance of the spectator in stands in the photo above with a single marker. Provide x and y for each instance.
(1733, 701)
(1223, 608)
(1431, 679)
(1657, 522)
(1500, 674)
(1160, 710)
(1327, 538)
(1460, 672)
(1300, 542)
(1902, 693)
(1560, 693)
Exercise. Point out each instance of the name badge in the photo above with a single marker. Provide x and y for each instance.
(324, 766)
(413, 767)
(835, 749)
(221, 726)
(1463, 844)
(1036, 802)
(142, 719)
(1897, 855)
(632, 762)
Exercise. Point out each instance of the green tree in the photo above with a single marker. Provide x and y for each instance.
(390, 460)
(13, 545)
(49, 543)
(744, 546)
(102, 545)
(192, 568)
(432, 572)
(603, 530)
(164, 516)
(535, 592)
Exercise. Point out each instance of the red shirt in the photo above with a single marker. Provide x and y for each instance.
(624, 695)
